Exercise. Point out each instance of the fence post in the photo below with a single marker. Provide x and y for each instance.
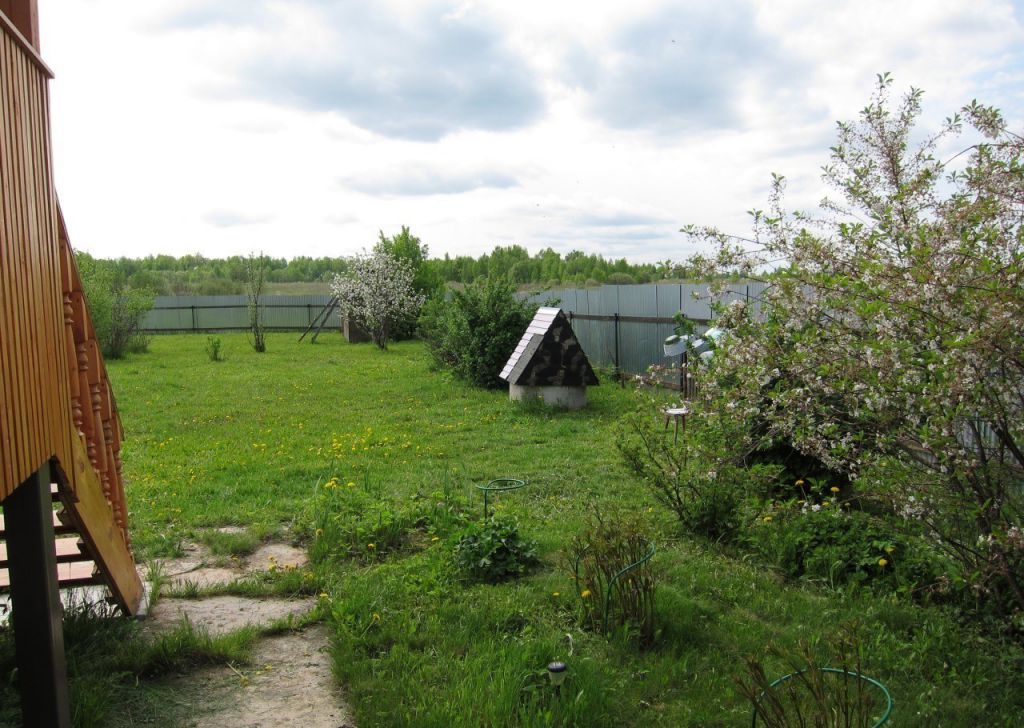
(193, 318)
(618, 369)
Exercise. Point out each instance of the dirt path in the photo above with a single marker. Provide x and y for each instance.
(289, 682)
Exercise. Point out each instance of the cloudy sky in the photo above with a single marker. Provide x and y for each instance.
(302, 127)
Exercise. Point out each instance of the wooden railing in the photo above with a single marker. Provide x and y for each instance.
(56, 403)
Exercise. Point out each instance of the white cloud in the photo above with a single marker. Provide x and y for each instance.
(304, 127)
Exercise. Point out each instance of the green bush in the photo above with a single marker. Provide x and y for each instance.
(697, 477)
(494, 551)
(841, 547)
(115, 307)
(474, 332)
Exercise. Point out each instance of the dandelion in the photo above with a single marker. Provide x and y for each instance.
(883, 563)
(436, 538)
(889, 549)
(324, 595)
(799, 483)
(834, 489)
(585, 594)
(371, 546)
(319, 532)
(556, 594)
(376, 617)
(767, 519)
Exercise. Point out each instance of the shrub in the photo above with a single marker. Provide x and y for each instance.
(700, 477)
(493, 551)
(213, 348)
(608, 547)
(116, 308)
(848, 547)
(474, 332)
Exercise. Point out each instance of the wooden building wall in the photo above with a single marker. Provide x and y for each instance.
(35, 414)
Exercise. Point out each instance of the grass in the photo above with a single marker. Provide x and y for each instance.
(370, 458)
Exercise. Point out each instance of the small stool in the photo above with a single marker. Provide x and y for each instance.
(677, 414)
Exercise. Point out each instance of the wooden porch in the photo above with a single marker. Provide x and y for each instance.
(65, 519)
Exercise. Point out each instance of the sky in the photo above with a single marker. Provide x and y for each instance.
(304, 127)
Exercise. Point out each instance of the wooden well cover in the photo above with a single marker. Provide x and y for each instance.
(549, 355)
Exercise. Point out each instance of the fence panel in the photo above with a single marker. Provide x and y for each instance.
(227, 313)
(632, 322)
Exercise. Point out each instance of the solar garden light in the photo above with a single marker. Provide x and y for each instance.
(556, 673)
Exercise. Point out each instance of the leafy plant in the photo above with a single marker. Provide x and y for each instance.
(493, 551)
(611, 596)
(213, 348)
(474, 331)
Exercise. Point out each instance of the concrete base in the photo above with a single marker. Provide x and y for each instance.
(570, 398)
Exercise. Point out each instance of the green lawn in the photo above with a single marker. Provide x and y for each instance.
(274, 441)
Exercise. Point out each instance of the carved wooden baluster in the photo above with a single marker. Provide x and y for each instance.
(92, 350)
(88, 422)
(72, 356)
(119, 478)
(110, 474)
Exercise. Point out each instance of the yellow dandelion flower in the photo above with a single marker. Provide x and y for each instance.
(585, 593)
(324, 595)
(834, 489)
(376, 617)
(767, 519)
(889, 549)
(556, 594)
(371, 545)
(883, 563)
(436, 538)
(799, 482)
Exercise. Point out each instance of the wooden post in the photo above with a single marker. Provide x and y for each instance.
(35, 598)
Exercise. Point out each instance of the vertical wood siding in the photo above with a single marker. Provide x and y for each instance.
(55, 398)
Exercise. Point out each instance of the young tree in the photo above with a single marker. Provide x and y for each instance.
(892, 338)
(377, 291)
(256, 277)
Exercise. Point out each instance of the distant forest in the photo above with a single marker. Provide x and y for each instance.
(199, 275)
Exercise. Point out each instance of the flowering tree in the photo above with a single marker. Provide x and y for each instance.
(377, 291)
(892, 334)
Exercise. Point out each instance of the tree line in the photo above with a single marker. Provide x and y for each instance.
(198, 275)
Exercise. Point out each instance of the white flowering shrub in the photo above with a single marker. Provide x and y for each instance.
(892, 334)
(377, 291)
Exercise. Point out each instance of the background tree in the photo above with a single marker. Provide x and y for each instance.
(426, 282)
(377, 291)
(892, 345)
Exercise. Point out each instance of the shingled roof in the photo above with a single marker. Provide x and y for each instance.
(549, 354)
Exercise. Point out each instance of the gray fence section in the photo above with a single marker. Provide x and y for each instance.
(604, 318)
(226, 313)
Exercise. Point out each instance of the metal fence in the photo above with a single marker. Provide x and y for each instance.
(621, 326)
(624, 327)
(230, 313)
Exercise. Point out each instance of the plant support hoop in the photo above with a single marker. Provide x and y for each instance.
(870, 680)
(499, 485)
(611, 582)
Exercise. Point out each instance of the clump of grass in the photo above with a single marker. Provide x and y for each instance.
(230, 543)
